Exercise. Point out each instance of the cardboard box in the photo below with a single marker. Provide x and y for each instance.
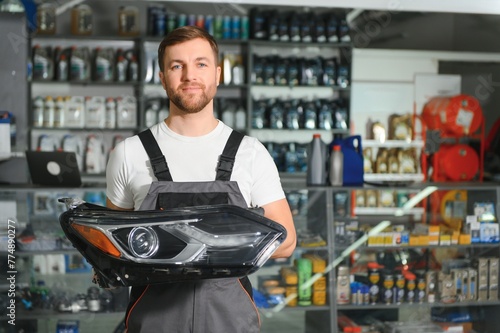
(493, 279)
(482, 279)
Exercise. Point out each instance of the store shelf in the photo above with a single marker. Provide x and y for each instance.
(8, 156)
(257, 42)
(298, 92)
(87, 83)
(417, 247)
(416, 305)
(386, 211)
(299, 136)
(298, 308)
(43, 314)
(393, 144)
(374, 177)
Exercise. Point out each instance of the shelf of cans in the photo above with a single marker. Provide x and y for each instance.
(272, 25)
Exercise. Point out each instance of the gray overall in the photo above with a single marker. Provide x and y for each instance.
(222, 305)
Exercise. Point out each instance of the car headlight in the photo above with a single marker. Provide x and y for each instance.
(144, 247)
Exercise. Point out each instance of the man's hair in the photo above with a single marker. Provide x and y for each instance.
(184, 34)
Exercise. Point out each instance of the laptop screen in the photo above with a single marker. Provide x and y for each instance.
(54, 168)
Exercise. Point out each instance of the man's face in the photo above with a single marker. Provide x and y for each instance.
(190, 75)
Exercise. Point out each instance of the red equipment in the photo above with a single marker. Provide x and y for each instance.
(456, 118)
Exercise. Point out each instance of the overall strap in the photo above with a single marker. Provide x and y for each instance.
(158, 161)
(226, 159)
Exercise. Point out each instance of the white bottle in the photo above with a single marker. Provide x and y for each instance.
(48, 112)
(59, 112)
(336, 168)
(110, 116)
(240, 118)
(121, 69)
(151, 115)
(228, 116)
(38, 110)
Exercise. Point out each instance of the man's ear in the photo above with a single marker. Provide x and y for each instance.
(219, 71)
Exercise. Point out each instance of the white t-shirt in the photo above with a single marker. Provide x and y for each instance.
(129, 173)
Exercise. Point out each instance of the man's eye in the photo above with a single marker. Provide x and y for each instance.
(202, 64)
(176, 67)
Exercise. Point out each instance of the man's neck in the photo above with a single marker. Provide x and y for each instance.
(196, 124)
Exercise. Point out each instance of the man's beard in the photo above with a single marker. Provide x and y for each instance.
(190, 103)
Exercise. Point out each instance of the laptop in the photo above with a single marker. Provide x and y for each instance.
(54, 168)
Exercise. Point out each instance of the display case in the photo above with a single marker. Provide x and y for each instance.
(46, 279)
(435, 260)
(432, 265)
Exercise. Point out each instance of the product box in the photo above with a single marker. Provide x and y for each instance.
(488, 232)
(473, 228)
(472, 288)
(493, 279)
(464, 239)
(482, 279)
(446, 287)
(458, 279)
(95, 111)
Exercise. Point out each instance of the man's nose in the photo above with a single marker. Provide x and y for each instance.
(188, 73)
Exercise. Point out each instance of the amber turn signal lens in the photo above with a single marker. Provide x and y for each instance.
(97, 238)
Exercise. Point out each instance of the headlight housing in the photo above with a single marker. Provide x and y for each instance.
(145, 247)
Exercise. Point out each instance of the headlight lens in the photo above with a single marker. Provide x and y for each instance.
(143, 242)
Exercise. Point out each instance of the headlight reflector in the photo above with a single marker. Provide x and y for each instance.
(143, 242)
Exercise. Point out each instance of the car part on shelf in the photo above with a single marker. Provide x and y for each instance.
(147, 247)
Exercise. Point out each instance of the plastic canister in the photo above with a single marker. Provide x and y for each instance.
(336, 166)
(316, 161)
(128, 21)
(353, 170)
(46, 19)
(81, 20)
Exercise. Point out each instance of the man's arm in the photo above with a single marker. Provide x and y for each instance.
(279, 211)
(111, 205)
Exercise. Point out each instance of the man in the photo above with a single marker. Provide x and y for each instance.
(191, 159)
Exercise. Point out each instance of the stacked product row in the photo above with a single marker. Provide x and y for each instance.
(84, 112)
(300, 114)
(457, 282)
(161, 21)
(296, 71)
(82, 64)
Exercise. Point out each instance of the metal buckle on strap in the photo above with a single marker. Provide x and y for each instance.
(225, 163)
